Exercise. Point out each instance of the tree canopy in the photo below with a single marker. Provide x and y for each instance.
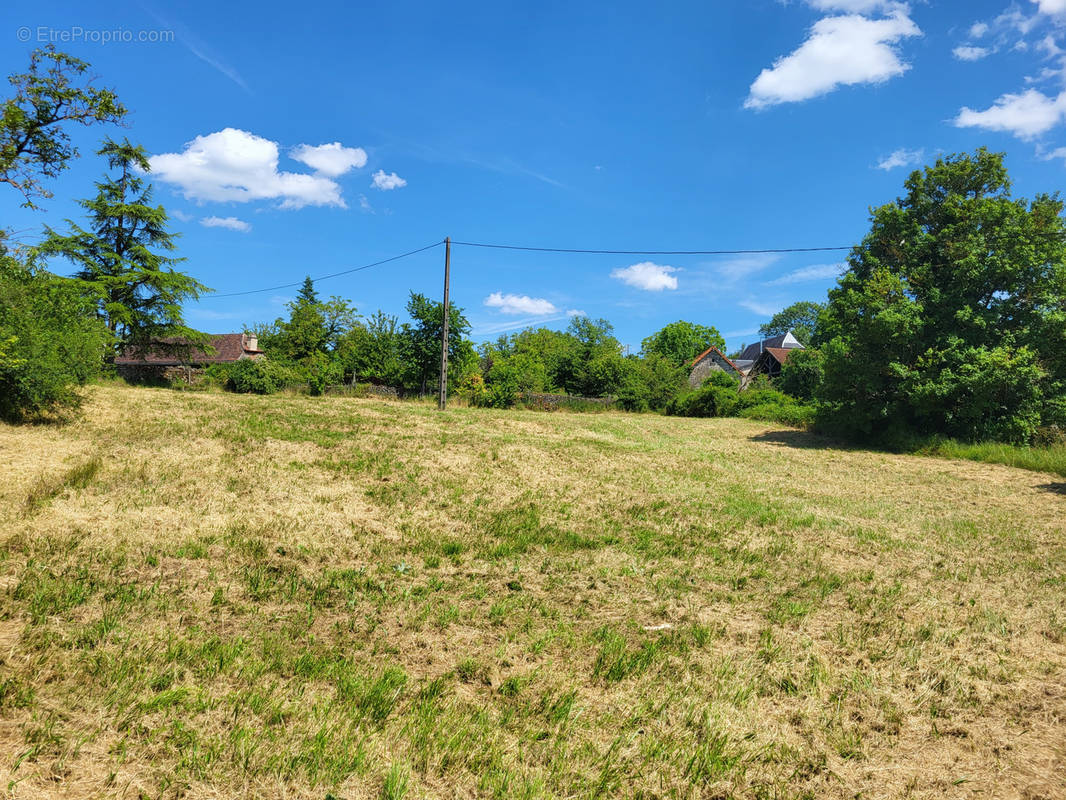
(680, 342)
(122, 256)
(48, 98)
(951, 318)
(801, 318)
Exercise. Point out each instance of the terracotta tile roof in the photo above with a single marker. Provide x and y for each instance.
(781, 354)
(714, 349)
(228, 347)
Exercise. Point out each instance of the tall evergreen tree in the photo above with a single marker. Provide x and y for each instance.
(139, 292)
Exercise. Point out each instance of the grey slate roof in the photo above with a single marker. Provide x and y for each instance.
(786, 341)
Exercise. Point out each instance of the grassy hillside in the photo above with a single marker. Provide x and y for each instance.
(209, 595)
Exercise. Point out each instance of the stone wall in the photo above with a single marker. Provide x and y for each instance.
(155, 374)
(551, 402)
(712, 362)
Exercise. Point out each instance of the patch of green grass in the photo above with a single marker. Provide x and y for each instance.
(47, 489)
(1039, 459)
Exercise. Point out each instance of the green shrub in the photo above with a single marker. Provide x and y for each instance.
(51, 341)
(257, 376)
(798, 415)
(707, 401)
(322, 371)
(501, 394)
(802, 374)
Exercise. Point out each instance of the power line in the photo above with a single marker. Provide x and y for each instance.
(324, 277)
(653, 252)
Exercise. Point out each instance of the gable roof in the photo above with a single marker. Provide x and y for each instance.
(784, 341)
(780, 354)
(713, 349)
(228, 347)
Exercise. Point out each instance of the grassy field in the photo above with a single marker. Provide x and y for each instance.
(210, 595)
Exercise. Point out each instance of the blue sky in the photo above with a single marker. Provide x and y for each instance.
(292, 140)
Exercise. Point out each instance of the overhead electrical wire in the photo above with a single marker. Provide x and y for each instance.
(331, 275)
(536, 250)
(653, 252)
(578, 251)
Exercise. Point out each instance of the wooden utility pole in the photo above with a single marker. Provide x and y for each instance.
(442, 402)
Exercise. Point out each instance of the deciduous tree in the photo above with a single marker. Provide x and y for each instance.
(680, 342)
(951, 318)
(51, 96)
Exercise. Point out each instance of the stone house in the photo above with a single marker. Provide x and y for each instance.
(712, 360)
(762, 358)
(163, 363)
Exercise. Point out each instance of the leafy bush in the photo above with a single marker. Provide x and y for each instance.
(257, 376)
(802, 374)
(499, 395)
(321, 372)
(798, 415)
(50, 341)
(764, 402)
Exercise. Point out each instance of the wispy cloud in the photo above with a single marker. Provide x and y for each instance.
(208, 314)
(231, 223)
(760, 307)
(741, 268)
(969, 52)
(197, 46)
(816, 272)
(493, 328)
(901, 158)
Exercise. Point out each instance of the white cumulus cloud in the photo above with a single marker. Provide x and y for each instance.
(901, 158)
(966, 52)
(647, 275)
(387, 181)
(232, 165)
(331, 160)
(1053, 8)
(232, 223)
(1026, 115)
(840, 51)
(817, 272)
(520, 304)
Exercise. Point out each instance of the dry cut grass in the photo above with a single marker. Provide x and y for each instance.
(210, 596)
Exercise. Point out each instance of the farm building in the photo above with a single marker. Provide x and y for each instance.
(163, 362)
(712, 360)
(762, 358)
(768, 356)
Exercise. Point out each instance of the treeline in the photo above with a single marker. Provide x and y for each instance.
(324, 343)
